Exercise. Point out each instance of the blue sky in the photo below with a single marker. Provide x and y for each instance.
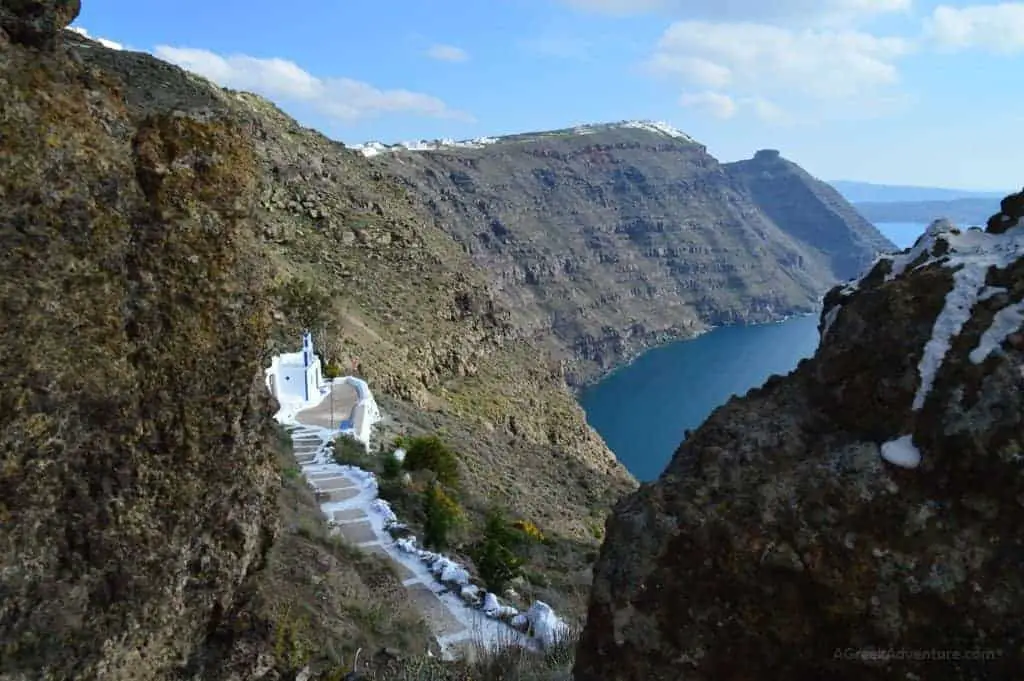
(892, 91)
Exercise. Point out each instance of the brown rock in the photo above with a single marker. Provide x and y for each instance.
(1011, 210)
(778, 544)
(37, 23)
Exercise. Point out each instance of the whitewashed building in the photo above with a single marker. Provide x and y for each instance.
(296, 376)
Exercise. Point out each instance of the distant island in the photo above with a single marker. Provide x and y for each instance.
(959, 211)
(906, 203)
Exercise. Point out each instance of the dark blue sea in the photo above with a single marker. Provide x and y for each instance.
(643, 409)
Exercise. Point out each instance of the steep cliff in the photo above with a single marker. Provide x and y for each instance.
(606, 239)
(857, 519)
(810, 211)
(138, 488)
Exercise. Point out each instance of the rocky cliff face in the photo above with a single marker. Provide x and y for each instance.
(607, 239)
(138, 488)
(869, 501)
(810, 211)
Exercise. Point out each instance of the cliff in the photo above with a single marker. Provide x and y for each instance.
(857, 519)
(139, 488)
(606, 239)
(810, 211)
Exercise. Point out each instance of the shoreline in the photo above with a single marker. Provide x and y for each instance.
(578, 388)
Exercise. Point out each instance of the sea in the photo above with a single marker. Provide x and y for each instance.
(644, 409)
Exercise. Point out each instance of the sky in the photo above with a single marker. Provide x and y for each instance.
(889, 91)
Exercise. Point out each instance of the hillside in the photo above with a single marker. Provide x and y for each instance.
(161, 238)
(603, 240)
(962, 211)
(858, 519)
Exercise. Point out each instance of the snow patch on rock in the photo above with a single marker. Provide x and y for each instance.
(902, 452)
(971, 254)
(1006, 321)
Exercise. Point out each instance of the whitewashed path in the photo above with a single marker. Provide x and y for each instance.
(348, 497)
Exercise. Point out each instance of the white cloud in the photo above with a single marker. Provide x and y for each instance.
(995, 28)
(761, 63)
(713, 103)
(447, 53)
(102, 41)
(340, 98)
(767, 110)
(837, 12)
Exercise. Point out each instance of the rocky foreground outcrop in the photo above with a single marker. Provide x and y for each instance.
(137, 487)
(860, 518)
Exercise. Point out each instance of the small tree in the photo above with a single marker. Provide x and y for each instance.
(390, 466)
(497, 555)
(430, 453)
(442, 514)
(348, 451)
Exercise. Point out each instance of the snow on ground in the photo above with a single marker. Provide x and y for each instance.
(1006, 321)
(480, 618)
(902, 452)
(971, 254)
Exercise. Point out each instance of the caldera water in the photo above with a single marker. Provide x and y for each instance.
(643, 410)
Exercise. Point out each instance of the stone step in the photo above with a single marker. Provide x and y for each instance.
(403, 572)
(346, 515)
(331, 484)
(439, 617)
(339, 495)
(322, 475)
(357, 533)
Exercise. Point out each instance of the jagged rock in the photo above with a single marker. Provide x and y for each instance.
(872, 499)
(36, 23)
(1011, 210)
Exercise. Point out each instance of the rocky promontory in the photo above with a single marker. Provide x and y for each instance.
(857, 519)
(604, 240)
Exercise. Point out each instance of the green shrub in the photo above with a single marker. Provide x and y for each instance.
(441, 515)
(349, 451)
(333, 370)
(390, 467)
(498, 555)
(428, 452)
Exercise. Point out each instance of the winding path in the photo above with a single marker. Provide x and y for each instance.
(348, 497)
